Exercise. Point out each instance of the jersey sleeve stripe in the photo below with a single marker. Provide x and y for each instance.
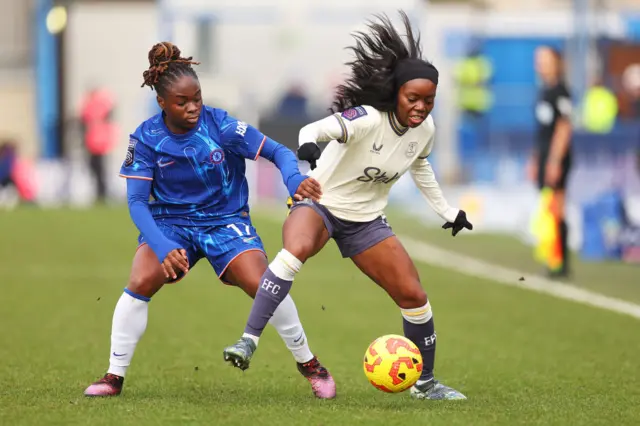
(345, 133)
(135, 177)
(343, 127)
(264, 139)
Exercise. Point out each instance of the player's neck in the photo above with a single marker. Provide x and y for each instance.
(173, 129)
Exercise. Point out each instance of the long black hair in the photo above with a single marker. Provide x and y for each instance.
(372, 72)
(166, 65)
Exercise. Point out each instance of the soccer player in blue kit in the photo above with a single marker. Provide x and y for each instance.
(191, 159)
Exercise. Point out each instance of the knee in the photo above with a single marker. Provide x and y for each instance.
(411, 296)
(144, 284)
(301, 247)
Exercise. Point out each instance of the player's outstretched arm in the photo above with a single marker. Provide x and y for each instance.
(247, 141)
(138, 191)
(298, 185)
(424, 177)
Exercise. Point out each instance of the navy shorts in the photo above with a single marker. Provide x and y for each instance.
(352, 238)
(220, 244)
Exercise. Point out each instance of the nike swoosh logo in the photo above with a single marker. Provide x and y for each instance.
(298, 339)
(246, 240)
(160, 164)
(118, 355)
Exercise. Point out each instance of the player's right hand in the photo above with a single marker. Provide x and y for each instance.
(309, 188)
(310, 152)
(175, 262)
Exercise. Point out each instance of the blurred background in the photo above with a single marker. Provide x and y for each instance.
(275, 64)
(70, 95)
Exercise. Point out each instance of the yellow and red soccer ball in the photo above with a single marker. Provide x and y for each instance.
(392, 363)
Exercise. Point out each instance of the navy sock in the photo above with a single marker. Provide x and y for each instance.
(424, 336)
(271, 293)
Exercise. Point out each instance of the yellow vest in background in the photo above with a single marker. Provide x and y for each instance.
(600, 110)
(472, 74)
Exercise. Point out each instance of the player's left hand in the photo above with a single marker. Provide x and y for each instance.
(310, 152)
(175, 262)
(552, 173)
(459, 224)
(309, 188)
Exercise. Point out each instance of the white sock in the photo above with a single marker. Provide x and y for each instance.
(255, 339)
(128, 326)
(286, 321)
(285, 265)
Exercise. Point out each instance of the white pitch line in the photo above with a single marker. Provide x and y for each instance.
(432, 255)
(467, 265)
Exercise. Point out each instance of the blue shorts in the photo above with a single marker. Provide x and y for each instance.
(220, 244)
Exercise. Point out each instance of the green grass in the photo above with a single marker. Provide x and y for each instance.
(521, 357)
(610, 278)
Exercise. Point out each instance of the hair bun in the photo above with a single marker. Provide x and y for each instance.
(162, 53)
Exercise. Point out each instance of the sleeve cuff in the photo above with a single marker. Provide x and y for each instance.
(135, 177)
(294, 182)
(450, 214)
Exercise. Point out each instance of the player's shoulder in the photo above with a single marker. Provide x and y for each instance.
(213, 113)
(428, 126)
(428, 123)
(362, 113)
(220, 120)
(149, 131)
(218, 116)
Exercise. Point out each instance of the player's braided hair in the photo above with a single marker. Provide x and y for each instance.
(372, 72)
(166, 66)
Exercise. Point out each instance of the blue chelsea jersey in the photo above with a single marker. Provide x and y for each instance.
(197, 177)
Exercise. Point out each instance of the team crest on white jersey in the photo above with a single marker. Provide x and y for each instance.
(411, 149)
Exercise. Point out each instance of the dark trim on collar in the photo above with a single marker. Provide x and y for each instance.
(398, 128)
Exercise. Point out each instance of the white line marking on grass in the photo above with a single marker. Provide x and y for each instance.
(432, 255)
(467, 265)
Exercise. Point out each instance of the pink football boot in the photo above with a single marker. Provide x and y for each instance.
(109, 385)
(322, 383)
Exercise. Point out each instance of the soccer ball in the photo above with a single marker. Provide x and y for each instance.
(392, 363)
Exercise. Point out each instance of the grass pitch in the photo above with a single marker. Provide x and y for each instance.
(520, 357)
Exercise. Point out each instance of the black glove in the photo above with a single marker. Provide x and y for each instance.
(458, 224)
(309, 152)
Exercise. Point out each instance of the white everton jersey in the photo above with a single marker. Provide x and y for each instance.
(368, 153)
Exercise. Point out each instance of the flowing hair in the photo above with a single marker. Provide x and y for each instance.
(377, 54)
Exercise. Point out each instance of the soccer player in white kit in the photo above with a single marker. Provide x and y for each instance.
(380, 129)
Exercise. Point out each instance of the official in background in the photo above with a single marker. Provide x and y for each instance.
(550, 163)
(99, 134)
